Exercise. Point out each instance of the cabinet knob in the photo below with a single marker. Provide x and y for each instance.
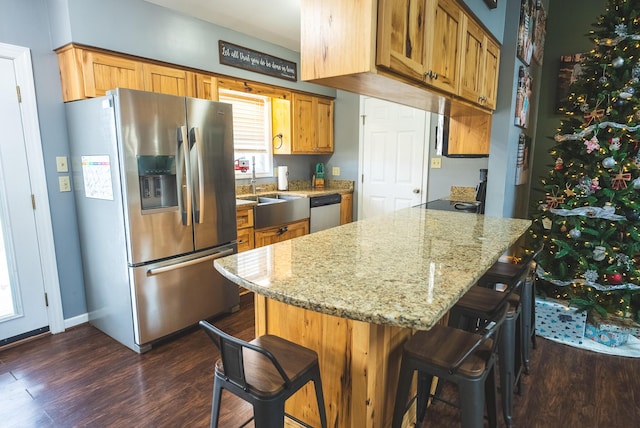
(416, 191)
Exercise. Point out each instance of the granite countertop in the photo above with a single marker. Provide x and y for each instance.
(404, 269)
(298, 188)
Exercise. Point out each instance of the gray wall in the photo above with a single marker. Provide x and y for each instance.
(26, 23)
(569, 22)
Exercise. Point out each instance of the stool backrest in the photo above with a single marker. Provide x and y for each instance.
(491, 330)
(231, 353)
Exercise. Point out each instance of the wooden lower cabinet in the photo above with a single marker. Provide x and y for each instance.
(281, 233)
(244, 221)
(346, 208)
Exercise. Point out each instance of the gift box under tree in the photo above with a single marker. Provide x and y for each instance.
(555, 319)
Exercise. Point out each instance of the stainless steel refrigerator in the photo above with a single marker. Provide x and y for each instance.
(154, 186)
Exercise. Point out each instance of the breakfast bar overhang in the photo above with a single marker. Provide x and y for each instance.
(355, 293)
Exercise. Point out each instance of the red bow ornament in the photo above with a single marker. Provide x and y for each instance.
(620, 180)
(595, 114)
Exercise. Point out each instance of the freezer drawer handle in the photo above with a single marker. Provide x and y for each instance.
(163, 269)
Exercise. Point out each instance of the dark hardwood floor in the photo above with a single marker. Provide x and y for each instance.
(82, 378)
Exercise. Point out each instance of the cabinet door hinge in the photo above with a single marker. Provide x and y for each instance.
(19, 94)
(46, 300)
(363, 118)
(33, 201)
(362, 179)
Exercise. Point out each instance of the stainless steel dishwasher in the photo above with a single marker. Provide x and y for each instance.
(325, 212)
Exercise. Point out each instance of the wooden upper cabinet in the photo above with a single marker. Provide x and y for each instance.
(206, 87)
(446, 43)
(306, 125)
(402, 44)
(421, 40)
(168, 80)
(104, 72)
(479, 66)
(312, 124)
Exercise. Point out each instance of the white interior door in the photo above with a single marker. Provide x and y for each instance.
(24, 231)
(394, 157)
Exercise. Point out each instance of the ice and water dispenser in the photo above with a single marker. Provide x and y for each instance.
(158, 185)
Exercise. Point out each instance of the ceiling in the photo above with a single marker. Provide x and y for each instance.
(274, 21)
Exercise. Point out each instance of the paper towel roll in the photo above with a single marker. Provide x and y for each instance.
(283, 178)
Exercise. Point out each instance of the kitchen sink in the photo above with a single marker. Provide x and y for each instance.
(274, 209)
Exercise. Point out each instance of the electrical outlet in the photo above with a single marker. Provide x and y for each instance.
(335, 171)
(436, 162)
(61, 164)
(64, 183)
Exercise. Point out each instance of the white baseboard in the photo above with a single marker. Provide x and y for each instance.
(77, 320)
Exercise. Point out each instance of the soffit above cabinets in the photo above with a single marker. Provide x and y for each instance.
(274, 21)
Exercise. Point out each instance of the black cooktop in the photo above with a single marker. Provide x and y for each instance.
(447, 205)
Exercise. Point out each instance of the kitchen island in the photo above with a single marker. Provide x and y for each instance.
(355, 293)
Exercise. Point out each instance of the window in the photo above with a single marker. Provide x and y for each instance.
(251, 132)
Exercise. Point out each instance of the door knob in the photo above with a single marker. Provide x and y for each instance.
(416, 190)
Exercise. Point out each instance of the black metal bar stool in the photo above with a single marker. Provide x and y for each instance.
(522, 275)
(474, 310)
(264, 372)
(464, 358)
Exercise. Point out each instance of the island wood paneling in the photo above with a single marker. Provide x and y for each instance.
(359, 363)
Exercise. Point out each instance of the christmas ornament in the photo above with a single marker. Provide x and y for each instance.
(636, 183)
(596, 114)
(635, 72)
(584, 107)
(599, 253)
(614, 278)
(633, 215)
(554, 200)
(609, 162)
(609, 208)
(563, 228)
(618, 62)
(620, 180)
(625, 95)
(559, 164)
(592, 144)
(615, 144)
(603, 79)
(630, 90)
(569, 191)
(546, 223)
(621, 30)
(636, 115)
(591, 276)
(575, 233)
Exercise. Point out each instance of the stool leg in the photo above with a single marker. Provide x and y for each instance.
(404, 383)
(472, 408)
(215, 407)
(506, 352)
(490, 395)
(317, 384)
(533, 316)
(526, 322)
(424, 390)
(268, 414)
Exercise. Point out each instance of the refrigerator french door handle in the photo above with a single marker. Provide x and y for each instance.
(184, 203)
(162, 269)
(199, 202)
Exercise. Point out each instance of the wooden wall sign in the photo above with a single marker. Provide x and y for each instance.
(248, 59)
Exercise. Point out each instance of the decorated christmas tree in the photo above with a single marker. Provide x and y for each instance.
(589, 221)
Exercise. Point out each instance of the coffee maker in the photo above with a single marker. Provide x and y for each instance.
(481, 189)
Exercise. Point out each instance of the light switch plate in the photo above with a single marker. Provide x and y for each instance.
(62, 165)
(64, 183)
(436, 163)
(335, 171)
